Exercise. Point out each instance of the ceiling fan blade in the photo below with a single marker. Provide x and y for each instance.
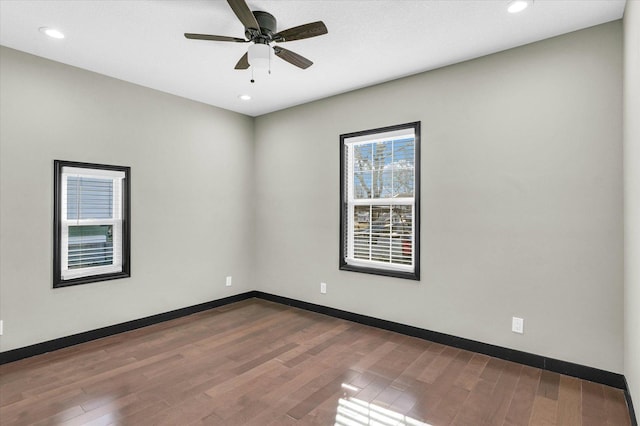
(243, 63)
(214, 38)
(312, 29)
(244, 14)
(292, 57)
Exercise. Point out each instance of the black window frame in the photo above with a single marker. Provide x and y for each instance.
(344, 205)
(57, 225)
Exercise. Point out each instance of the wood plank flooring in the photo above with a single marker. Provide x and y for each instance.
(261, 363)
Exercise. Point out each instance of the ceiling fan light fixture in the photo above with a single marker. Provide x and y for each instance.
(261, 31)
(516, 6)
(259, 55)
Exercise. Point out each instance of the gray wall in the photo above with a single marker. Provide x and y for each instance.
(632, 198)
(191, 183)
(521, 199)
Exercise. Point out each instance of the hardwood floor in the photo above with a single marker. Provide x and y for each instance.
(261, 363)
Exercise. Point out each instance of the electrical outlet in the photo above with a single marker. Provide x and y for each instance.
(517, 325)
(1, 327)
(323, 288)
(229, 281)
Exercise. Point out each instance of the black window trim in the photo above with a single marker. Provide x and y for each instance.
(343, 265)
(58, 282)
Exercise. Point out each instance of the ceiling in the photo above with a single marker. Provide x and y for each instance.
(369, 42)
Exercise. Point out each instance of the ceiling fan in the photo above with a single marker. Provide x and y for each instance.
(260, 30)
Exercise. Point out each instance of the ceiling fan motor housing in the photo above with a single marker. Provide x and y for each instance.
(267, 24)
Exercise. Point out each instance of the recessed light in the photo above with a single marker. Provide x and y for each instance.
(245, 97)
(515, 6)
(51, 32)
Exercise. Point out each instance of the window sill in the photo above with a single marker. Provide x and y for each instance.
(90, 279)
(384, 272)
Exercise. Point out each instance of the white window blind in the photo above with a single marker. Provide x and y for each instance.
(380, 194)
(91, 222)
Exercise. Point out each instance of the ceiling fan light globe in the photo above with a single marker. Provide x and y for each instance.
(259, 55)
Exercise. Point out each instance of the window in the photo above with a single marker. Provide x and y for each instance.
(380, 209)
(91, 223)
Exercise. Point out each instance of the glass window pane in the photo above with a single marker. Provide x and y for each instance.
(403, 168)
(386, 183)
(380, 233)
(361, 232)
(381, 161)
(362, 185)
(90, 246)
(362, 157)
(381, 224)
(381, 154)
(402, 235)
(89, 198)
